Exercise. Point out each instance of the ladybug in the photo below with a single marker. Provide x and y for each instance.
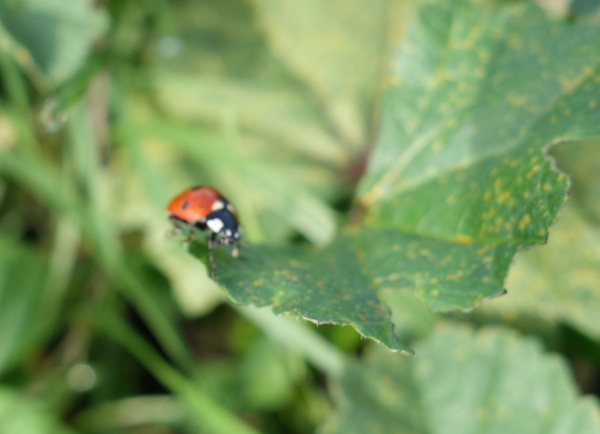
(206, 208)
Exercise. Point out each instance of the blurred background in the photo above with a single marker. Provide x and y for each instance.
(108, 109)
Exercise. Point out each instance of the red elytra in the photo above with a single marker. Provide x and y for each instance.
(193, 204)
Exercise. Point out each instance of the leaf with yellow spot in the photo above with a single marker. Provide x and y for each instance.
(460, 160)
(560, 282)
(322, 286)
(462, 382)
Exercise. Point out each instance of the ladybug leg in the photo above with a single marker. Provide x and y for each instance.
(175, 233)
(178, 230)
(212, 242)
(236, 251)
(190, 237)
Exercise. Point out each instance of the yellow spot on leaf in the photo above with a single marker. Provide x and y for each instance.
(445, 261)
(514, 42)
(524, 221)
(503, 197)
(533, 170)
(484, 54)
(455, 276)
(393, 277)
(463, 239)
(592, 104)
(435, 292)
(483, 249)
(516, 100)
(565, 84)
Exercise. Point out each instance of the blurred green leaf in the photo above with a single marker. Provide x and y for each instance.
(225, 65)
(337, 48)
(459, 181)
(581, 162)
(22, 277)
(268, 375)
(20, 414)
(56, 34)
(462, 382)
(584, 7)
(147, 411)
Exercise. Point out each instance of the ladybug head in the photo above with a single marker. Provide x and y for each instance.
(224, 223)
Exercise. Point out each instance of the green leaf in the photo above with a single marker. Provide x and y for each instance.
(22, 277)
(459, 172)
(459, 180)
(462, 382)
(20, 414)
(559, 282)
(57, 35)
(323, 286)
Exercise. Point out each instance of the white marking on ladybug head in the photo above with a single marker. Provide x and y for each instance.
(215, 225)
(228, 232)
(217, 205)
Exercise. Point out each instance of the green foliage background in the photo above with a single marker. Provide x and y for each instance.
(396, 166)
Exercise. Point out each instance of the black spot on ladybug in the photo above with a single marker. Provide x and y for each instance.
(185, 204)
